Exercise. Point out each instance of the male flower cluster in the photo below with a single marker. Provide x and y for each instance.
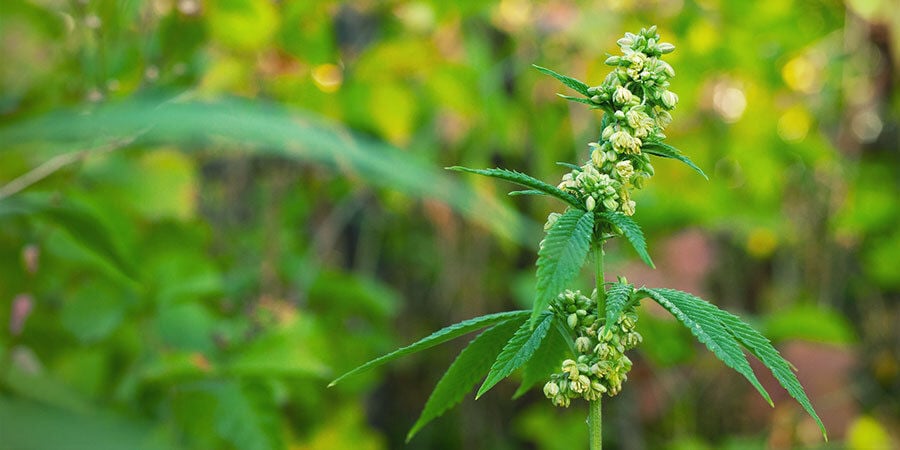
(636, 102)
(600, 365)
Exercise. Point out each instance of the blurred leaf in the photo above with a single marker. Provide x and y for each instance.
(286, 350)
(576, 85)
(94, 310)
(245, 25)
(186, 326)
(867, 433)
(347, 428)
(247, 416)
(809, 322)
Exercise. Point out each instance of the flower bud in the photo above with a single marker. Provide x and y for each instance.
(665, 47)
(626, 41)
(583, 344)
(572, 320)
(551, 220)
(613, 60)
(551, 389)
(624, 169)
(669, 99)
(628, 207)
(622, 95)
(589, 205)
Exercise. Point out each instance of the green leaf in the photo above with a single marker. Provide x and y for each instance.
(546, 360)
(526, 192)
(469, 367)
(560, 258)
(664, 150)
(760, 347)
(576, 85)
(617, 297)
(247, 416)
(586, 101)
(631, 231)
(696, 315)
(524, 180)
(517, 351)
(570, 165)
(438, 337)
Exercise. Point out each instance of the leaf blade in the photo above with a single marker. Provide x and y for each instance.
(632, 232)
(438, 337)
(576, 85)
(562, 255)
(664, 150)
(516, 352)
(693, 314)
(467, 369)
(546, 359)
(523, 180)
(617, 297)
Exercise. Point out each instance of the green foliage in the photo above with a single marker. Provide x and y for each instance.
(664, 150)
(517, 351)
(546, 359)
(577, 86)
(632, 232)
(524, 180)
(247, 417)
(436, 338)
(470, 366)
(618, 297)
(561, 256)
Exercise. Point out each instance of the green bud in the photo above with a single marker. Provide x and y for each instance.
(583, 344)
(613, 61)
(665, 47)
(572, 320)
(551, 389)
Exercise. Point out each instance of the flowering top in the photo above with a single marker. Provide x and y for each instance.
(636, 100)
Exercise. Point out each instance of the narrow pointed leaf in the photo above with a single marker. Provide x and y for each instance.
(524, 180)
(467, 370)
(526, 192)
(570, 165)
(586, 101)
(760, 347)
(546, 360)
(632, 231)
(693, 313)
(517, 351)
(576, 85)
(562, 255)
(617, 297)
(438, 337)
(667, 151)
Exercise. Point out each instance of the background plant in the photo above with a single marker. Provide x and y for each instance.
(251, 238)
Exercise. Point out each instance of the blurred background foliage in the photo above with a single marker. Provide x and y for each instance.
(209, 208)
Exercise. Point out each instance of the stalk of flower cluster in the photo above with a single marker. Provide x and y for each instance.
(595, 408)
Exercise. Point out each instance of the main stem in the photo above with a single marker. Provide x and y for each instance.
(595, 416)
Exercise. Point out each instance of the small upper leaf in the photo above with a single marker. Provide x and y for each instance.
(561, 255)
(664, 150)
(617, 298)
(576, 85)
(517, 351)
(631, 231)
(546, 359)
(578, 100)
(524, 180)
(526, 192)
(438, 337)
(468, 368)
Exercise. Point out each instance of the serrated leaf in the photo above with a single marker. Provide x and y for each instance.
(467, 370)
(517, 351)
(760, 347)
(617, 297)
(526, 192)
(570, 165)
(576, 85)
(524, 180)
(546, 360)
(632, 231)
(694, 314)
(586, 101)
(664, 150)
(561, 256)
(438, 337)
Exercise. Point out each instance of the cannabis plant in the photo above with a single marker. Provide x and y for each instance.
(575, 344)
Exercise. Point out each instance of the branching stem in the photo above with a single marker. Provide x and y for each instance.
(595, 416)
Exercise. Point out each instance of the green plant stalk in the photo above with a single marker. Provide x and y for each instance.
(595, 414)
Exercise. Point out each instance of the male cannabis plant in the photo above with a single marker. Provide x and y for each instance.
(573, 343)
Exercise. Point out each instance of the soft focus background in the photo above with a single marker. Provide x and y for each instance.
(210, 208)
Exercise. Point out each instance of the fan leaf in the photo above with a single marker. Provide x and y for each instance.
(664, 150)
(523, 180)
(617, 298)
(438, 337)
(517, 351)
(694, 313)
(469, 367)
(562, 255)
(632, 231)
(546, 360)
(576, 85)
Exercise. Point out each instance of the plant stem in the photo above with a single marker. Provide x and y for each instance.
(595, 416)
(595, 424)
